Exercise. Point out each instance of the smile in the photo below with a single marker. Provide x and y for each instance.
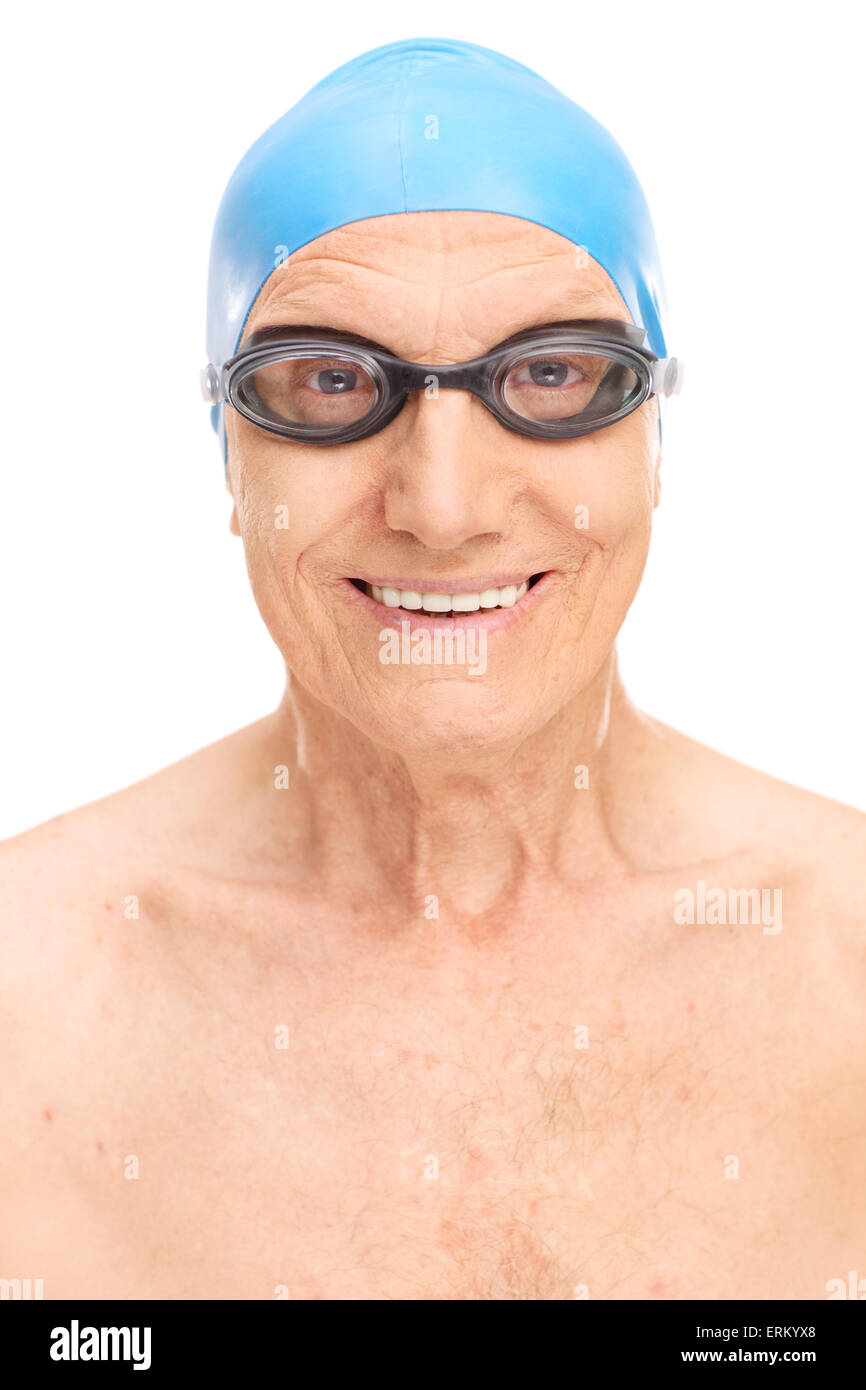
(483, 597)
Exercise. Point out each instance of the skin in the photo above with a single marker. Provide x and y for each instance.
(432, 910)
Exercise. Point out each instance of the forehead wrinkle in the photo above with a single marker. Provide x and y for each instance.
(336, 285)
(457, 341)
(288, 294)
(326, 266)
(404, 238)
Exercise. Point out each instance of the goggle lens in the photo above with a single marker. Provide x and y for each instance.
(558, 386)
(312, 392)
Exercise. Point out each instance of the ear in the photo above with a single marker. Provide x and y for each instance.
(657, 481)
(657, 461)
(233, 521)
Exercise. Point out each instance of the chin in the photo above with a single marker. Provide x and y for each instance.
(450, 716)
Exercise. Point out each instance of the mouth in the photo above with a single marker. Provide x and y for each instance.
(461, 601)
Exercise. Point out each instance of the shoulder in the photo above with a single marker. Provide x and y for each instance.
(151, 820)
(91, 906)
(64, 884)
(749, 829)
(731, 806)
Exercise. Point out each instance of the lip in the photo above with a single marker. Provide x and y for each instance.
(443, 585)
(488, 620)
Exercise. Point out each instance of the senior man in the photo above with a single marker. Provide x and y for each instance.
(453, 978)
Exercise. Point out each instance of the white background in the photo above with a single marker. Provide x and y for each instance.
(129, 636)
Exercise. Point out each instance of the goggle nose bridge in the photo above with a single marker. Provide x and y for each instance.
(472, 376)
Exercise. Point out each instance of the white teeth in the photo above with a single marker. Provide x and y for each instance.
(436, 603)
(413, 599)
(465, 603)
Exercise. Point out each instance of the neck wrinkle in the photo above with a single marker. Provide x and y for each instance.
(481, 833)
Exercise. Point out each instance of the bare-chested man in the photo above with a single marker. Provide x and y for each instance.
(438, 983)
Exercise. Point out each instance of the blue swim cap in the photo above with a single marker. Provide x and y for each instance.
(359, 145)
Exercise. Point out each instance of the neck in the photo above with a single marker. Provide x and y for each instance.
(472, 832)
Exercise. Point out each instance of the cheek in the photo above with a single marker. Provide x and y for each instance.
(268, 510)
(616, 518)
(301, 514)
(285, 502)
(609, 496)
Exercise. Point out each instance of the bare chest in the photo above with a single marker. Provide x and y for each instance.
(315, 1134)
(408, 1155)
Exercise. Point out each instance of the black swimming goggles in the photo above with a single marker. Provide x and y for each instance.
(557, 381)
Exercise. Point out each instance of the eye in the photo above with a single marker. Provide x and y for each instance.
(312, 390)
(556, 386)
(548, 372)
(333, 381)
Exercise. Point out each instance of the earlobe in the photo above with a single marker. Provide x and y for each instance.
(233, 523)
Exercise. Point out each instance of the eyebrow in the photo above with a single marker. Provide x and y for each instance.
(277, 331)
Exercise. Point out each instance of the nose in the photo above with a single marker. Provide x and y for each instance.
(447, 481)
